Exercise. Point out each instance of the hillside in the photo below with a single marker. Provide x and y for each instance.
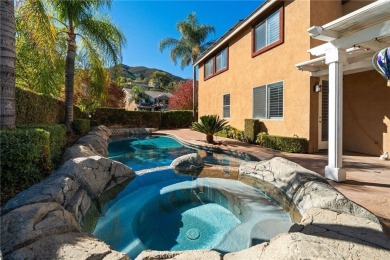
(141, 72)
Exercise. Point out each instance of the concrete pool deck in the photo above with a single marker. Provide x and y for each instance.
(368, 178)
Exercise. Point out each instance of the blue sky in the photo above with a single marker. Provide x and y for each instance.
(145, 23)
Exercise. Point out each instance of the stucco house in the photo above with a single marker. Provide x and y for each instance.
(304, 69)
(153, 100)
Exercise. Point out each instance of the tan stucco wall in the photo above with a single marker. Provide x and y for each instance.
(300, 102)
(277, 64)
(366, 113)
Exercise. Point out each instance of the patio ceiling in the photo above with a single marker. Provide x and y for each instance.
(361, 34)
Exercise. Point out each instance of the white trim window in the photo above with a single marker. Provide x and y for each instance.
(226, 106)
(268, 101)
(268, 31)
(209, 70)
(221, 61)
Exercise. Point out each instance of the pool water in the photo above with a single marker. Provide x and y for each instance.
(162, 210)
(151, 151)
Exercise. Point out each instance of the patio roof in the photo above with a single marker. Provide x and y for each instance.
(361, 33)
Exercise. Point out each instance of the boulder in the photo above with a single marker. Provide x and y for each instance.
(300, 187)
(56, 188)
(189, 254)
(68, 246)
(104, 129)
(188, 163)
(252, 253)
(95, 174)
(316, 220)
(78, 150)
(99, 144)
(25, 225)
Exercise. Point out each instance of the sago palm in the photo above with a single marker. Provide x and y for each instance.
(209, 125)
(99, 41)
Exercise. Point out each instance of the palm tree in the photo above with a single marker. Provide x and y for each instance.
(7, 64)
(190, 45)
(209, 125)
(98, 39)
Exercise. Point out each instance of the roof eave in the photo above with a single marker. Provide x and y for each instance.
(227, 36)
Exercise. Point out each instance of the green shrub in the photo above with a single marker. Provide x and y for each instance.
(81, 126)
(118, 117)
(34, 108)
(94, 123)
(283, 143)
(252, 129)
(232, 133)
(24, 159)
(176, 119)
(57, 140)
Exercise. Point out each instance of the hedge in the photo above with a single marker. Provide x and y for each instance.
(233, 133)
(57, 140)
(252, 129)
(112, 117)
(34, 108)
(118, 117)
(24, 159)
(176, 119)
(283, 143)
(81, 126)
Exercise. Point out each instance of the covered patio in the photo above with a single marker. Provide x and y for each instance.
(351, 42)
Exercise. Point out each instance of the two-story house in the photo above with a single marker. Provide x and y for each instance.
(304, 69)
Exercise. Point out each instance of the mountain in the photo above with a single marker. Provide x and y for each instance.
(141, 72)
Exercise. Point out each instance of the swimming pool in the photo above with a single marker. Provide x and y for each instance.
(162, 210)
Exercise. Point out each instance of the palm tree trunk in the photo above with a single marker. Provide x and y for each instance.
(194, 95)
(69, 79)
(7, 65)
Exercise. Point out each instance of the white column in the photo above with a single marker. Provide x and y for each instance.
(334, 59)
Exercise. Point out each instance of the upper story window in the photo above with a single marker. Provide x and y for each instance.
(209, 68)
(221, 61)
(268, 33)
(217, 64)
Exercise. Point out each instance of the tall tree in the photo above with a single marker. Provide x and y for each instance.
(182, 96)
(96, 37)
(7, 64)
(191, 44)
(160, 80)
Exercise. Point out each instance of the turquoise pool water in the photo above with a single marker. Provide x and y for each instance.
(162, 210)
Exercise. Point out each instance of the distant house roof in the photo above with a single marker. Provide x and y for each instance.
(157, 94)
(235, 29)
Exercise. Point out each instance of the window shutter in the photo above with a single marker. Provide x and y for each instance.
(275, 100)
(259, 102)
(260, 36)
(273, 31)
(226, 106)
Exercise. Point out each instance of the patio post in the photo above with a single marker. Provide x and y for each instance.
(334, 59)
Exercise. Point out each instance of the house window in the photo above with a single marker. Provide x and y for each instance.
(217, 64)
(208, 68)
(221, 61)
(226, 106)
(268, 33)
(268, 101)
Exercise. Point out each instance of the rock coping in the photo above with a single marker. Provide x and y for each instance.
(44, 221)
